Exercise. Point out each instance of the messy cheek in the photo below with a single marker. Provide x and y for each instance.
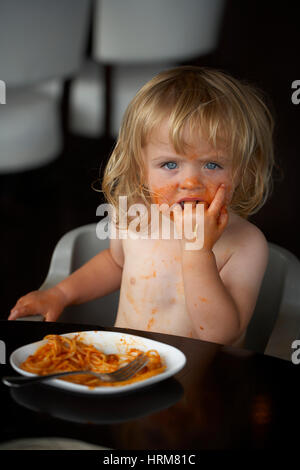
(210, 192)
(213, 188)
(164, 194)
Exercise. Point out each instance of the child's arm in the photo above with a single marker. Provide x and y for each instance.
(221, 304)
(98, 277)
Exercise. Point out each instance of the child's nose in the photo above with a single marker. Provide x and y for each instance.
(191, 183)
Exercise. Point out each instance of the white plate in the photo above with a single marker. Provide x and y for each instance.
(110, 342)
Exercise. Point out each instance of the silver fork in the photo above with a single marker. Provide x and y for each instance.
(119, 375)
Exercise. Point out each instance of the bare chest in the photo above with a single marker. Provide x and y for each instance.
(152, 292)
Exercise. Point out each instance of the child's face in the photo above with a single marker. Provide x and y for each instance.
(198, 174)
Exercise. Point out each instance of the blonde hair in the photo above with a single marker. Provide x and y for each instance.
(200, 98)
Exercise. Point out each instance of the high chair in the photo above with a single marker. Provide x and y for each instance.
(72, 251)
(276, 320)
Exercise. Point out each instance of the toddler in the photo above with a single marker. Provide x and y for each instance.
(192, 137)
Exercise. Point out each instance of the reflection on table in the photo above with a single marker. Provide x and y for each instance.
(224, 398)
(99, 409)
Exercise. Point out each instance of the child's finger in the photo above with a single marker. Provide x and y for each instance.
(17, 313)
(13, 314)
(218, 201)
(51, 315)
(22, 308)
(223, 219)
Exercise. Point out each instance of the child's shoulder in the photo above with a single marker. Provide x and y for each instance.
(243, 236)
(243, 230)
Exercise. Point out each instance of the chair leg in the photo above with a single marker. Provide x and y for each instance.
(108, 74)
(65, 105)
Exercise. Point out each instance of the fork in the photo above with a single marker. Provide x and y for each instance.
(119, 375)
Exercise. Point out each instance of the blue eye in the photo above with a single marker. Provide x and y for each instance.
(170, 165)
(212, 166)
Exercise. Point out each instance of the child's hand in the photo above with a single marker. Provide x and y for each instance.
(215, 221)
(49, 303)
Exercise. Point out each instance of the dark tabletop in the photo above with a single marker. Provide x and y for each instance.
(224, 398)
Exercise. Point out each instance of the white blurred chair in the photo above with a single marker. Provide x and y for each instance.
(275, 323)
(42, 43)
(30, 130)
(87, 101)
(88, 112)
(133, 40)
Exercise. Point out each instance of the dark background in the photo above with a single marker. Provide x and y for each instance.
(259, 42)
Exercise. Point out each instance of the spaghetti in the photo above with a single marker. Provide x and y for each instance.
(62, 354)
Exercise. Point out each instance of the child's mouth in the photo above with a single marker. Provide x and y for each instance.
(192, 202)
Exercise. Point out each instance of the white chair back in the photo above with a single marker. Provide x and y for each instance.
(41, 39)
(42, 43)
(139, 31)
